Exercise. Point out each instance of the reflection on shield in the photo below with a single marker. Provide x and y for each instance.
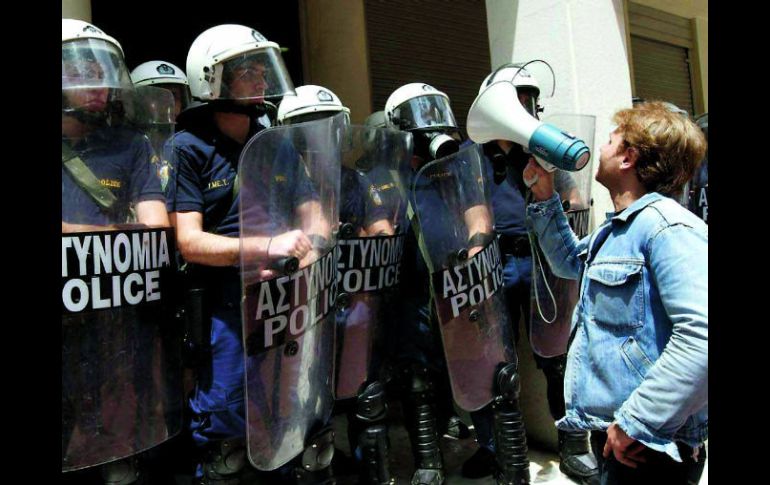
(371, 241)
(451, 199)
(289, 180)
(121, 349)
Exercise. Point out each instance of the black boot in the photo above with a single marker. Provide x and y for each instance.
(480, 465)
(577, 461)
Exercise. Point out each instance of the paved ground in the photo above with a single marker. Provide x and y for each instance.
(544, 464)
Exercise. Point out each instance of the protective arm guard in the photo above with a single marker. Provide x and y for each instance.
(510, 436)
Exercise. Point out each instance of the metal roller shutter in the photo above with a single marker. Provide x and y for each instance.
(444, 44)
(660, 44)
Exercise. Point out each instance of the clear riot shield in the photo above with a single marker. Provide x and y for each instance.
(289, 187)
(553, 299)
(697, 189)
(450, 198)
(154, 116)
(371, 242)
(121, 351)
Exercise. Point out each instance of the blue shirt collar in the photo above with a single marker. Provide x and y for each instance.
(635, 207)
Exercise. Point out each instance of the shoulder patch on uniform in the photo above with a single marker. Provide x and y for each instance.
(375, 195)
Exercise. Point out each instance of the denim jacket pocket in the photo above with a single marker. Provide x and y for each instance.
(616, 291)
(635, 357)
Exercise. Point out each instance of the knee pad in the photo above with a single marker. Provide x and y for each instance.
(508, 381)
(224, 460)
(371, 405)
(121, 472)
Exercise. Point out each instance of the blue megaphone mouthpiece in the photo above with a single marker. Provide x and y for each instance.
(559, 148)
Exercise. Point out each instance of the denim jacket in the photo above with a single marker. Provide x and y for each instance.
(639, 345)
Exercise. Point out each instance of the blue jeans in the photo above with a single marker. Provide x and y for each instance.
(659, 468)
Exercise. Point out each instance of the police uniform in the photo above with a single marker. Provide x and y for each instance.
(366, 197)
(207, 163)
(119, 158)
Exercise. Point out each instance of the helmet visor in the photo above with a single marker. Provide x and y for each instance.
(255, 75)
(181, 94)
(93, 63)
(431, 111)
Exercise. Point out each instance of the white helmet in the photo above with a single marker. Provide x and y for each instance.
(158, 72)
(224, 52)
(526, 85)
(165, 75)
(418, 106)
(91, 58)
(310, 102)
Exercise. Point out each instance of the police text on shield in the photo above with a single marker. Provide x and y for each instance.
(370, 264)
(469, 284)
(286, 307)
(112, 269)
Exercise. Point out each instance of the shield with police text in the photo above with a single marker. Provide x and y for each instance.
(371, 242)
(289, 189)
(696, 191)
(553, 299)
(121, 349)
(451, 200)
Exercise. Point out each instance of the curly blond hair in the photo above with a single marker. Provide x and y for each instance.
(670, 145)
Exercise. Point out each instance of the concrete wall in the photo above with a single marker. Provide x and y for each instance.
(584, 42)
(334, 51)
(76, 9)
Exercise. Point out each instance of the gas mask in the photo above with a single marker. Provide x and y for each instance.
(430, 119)
(432, 145)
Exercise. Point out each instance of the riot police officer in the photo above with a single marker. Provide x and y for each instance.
(371, 216)
(164, 75)
(234, 73)
(506, 162)
(112, 408)
(446, 201)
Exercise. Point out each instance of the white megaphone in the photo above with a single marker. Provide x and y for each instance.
(497, 114)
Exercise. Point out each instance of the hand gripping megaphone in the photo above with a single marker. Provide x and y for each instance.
(497, 114)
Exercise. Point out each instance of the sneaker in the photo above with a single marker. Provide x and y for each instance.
(481, 464)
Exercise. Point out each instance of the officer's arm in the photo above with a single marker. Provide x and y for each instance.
(676, 385)
(152, 213)
(313, 219)
(478, 221)
(198, 246)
